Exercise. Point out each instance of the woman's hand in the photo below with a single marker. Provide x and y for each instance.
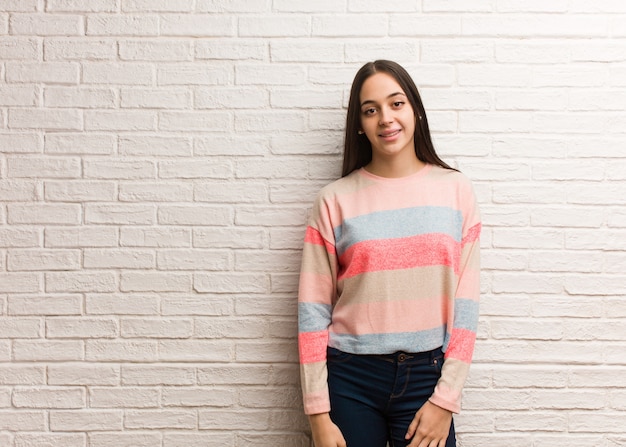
(430, 426)
(325, 432)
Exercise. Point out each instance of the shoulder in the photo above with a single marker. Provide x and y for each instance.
(452, 179)
(341, 187)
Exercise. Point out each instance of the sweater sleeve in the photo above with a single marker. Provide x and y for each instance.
(463, 324)
(317, 290)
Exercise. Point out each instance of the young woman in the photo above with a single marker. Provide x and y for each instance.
(389, 286)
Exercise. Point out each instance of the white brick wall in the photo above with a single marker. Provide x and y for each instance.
(157, 161)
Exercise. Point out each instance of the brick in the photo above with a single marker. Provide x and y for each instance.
(84, 236)
(230, 49)
(155, 192)
(195, 215)
(22, 420)
(532, 6)
(198, 397)
(198, 74)
(149, 145)
(122, 25)
(82, 420)
(123, 397)
(84, 98)
(116, 120)
(459, 6)
(93, 144)
(233, 374)
(79, 6)
(43, 260)
(155, 282)
(20, 282)
(45, 305)
(157, 6)
(20, 5)
(19, 237)
(269, 75)
(49, 398)
(83, 374)
(195, 351)
(231, 145)
(63, 282)
(275, 25)
(79, 191)
(45, 72)
(17, 190)
(50, 439)
(120, 351)
(53, 120)
(156, 328)
(14, 374)
(198, 168)
(18, 96)
(306, 6)
(599, 422)
(144, 375)
(79, 49)
(42, 351)
(121, 73)
(206, 260)
(46, 24)
(280, 260)
(155, 237)
(438, 51)
(194, 121)
(245, 6)
(230, 283)
(196, 305)
(124, 439)
(20, 143)
(227, 192)
(571, 75)
(81, 328)
(120, 214)
(121, 304)
(48, 167)
(155, 51)
(535, 25)
(362, 50)
(255, 352)
(220, 328)
(171, 98)
(233, 98)
(230, 420)
(160, 419)
(124, 169)
(197, 25)
(529, 52)
(19, 48)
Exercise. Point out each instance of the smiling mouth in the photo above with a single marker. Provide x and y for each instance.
(390, 134)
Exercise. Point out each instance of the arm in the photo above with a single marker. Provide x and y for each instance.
(431, 424)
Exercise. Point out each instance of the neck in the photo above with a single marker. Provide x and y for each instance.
(394, 168)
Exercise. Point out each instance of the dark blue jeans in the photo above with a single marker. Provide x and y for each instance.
(374, 398)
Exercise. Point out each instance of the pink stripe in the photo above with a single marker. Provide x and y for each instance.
(461, 346)
(312, 346)
(472, 234)
(401, 253)
(315, 288)
(390, 316)
(314, 237)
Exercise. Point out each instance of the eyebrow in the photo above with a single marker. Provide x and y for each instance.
(371, 101)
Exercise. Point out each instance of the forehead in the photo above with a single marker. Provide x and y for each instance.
(378, 87)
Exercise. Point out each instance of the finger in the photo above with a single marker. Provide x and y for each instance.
(412, 427)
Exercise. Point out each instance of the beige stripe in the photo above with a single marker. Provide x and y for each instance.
(423, 283)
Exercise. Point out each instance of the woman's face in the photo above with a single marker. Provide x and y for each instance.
(387, 118)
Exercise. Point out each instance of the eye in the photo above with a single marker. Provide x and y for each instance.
(398, 104)
(369, 112)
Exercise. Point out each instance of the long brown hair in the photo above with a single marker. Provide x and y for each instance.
(357, 148)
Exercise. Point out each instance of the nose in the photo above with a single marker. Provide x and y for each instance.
(384, 117)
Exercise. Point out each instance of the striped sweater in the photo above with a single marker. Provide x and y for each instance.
(390, 264)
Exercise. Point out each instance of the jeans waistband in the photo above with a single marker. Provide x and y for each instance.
(406, 357)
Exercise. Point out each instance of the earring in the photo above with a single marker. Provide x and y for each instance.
(360, 132)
